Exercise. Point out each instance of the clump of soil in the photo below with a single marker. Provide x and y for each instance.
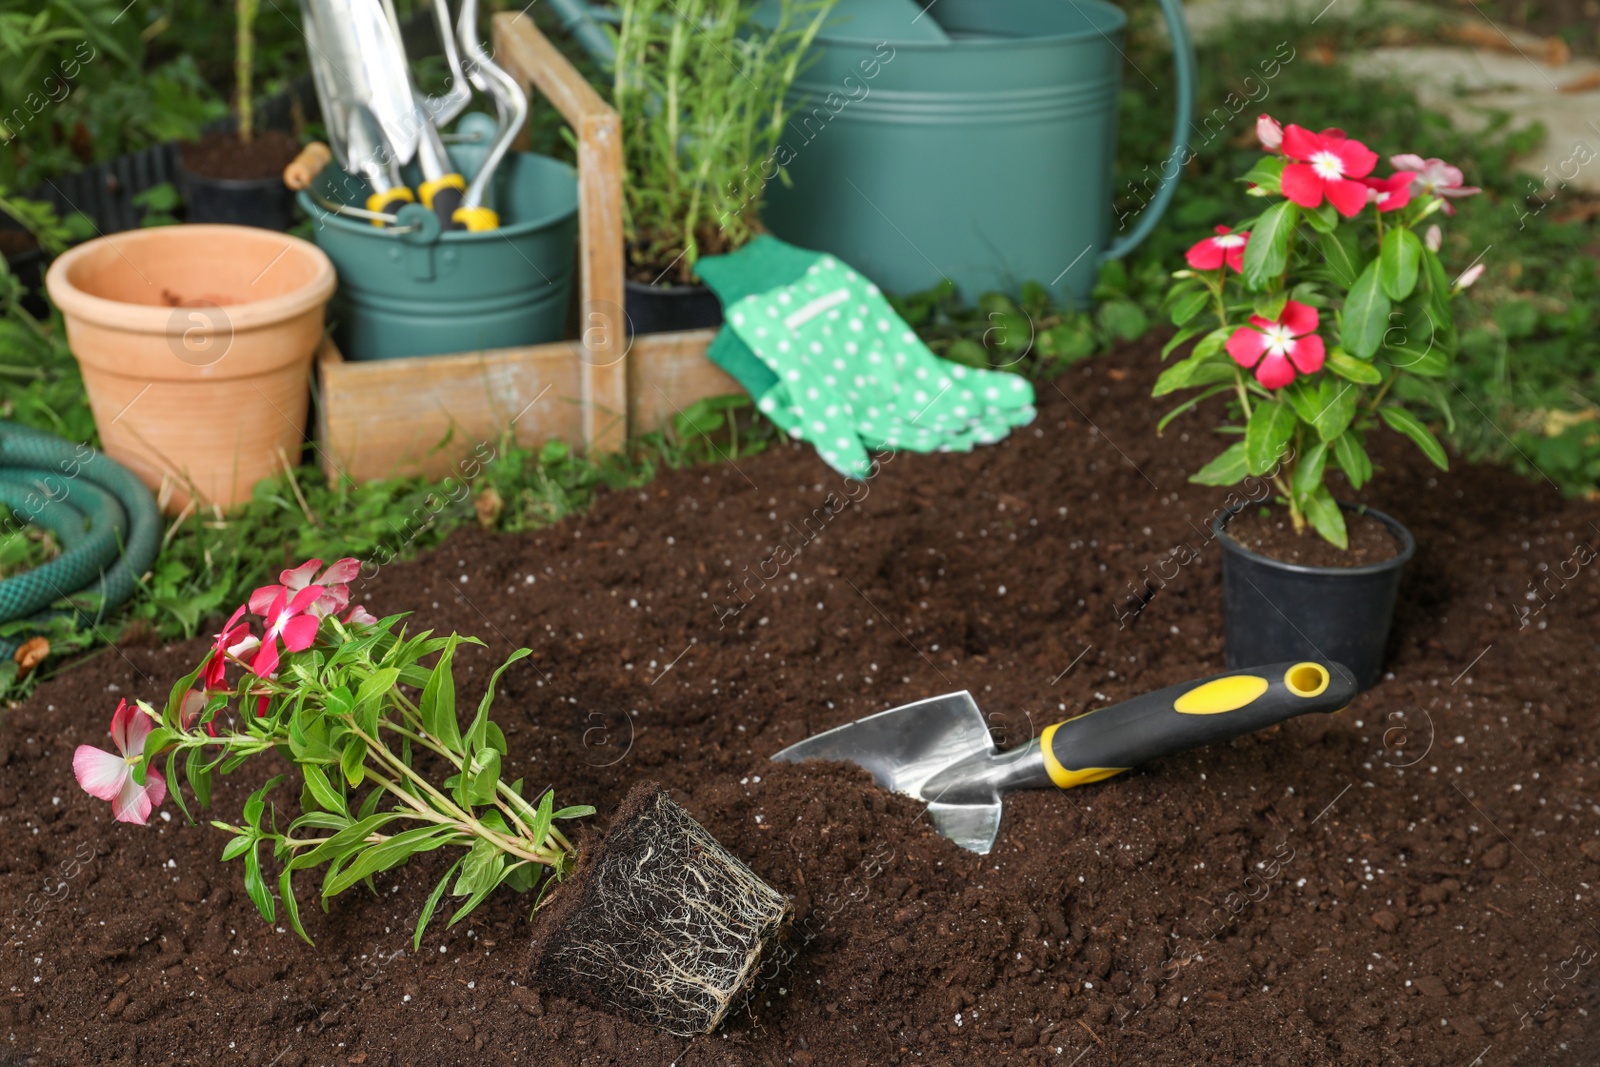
(660, 922)
(1410, 881)
(223, 155)
(1268, 532)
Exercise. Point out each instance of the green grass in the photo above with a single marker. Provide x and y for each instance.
(1529, 343)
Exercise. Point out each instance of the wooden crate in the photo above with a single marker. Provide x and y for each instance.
(426, 415)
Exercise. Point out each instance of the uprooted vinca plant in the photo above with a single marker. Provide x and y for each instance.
(326, 685)
(1260, 295)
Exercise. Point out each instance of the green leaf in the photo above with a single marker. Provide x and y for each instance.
(483, 774)
(1427, 359)
(1267, 254)
(1336, 406)
(177, 794)
(322, 791)
(1402, 421)
(1271, 306)
(256, 886)
(541, 821)
(257, 802)
(1267, 174)
(1267, 436)
(438, 704)
(388, 853)
(1438, 287)
(521, 876)
(1212, 342)
(1398, 261)
(291, 906)
(1227, 469)
(1191, 402)
(155, 741)
(432, 904)
(1190, 306)
(346, 840)
(476, 733)
(1324, 219)
(1194, 371)
(1342, 252)
(236, 847)
(172, 715)
(198, 773)
(1366, 315)
(1308, 471)
(1353, 459)
(351, 760)
(494, 737)
(369, 698)
(576, 811)
(480, 866)
(1351, 369)
(1325, 517)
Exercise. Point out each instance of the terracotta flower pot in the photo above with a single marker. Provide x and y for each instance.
(195, 344)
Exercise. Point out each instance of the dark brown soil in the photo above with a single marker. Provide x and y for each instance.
(1268, 532)
(16, 243)
(223, 155)
(1406, 882)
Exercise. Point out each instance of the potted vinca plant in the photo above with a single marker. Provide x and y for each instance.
(658, 920)
(1318, 322)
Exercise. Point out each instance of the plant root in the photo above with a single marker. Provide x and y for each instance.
(660, 922)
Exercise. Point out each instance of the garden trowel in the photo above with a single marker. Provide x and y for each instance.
(939, 750)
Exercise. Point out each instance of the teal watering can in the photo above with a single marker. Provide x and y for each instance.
(984, 158)
(968, 140)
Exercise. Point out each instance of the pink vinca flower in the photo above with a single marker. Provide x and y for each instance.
(334, 581)
(1435, 177)
(1226, 247)
(1391, 193)
(290, 621)
(110, 777)
(232, 643)
(361, 616)
(1326, 165)
(1469, 276)
(1269, 132)
(1277, 349)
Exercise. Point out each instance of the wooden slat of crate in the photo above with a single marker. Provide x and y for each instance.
(402, 417)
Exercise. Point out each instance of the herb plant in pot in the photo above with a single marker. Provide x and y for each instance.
(235, 176)
(1318, 322)
(699, 86)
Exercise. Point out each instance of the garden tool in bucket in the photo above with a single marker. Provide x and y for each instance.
(939, 750)
(511, 108)
(985, 159)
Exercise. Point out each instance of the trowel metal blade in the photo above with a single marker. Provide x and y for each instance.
(905, 746)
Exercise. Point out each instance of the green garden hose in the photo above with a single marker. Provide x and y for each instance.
(104, 516)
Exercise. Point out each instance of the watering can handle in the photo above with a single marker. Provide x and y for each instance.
(1183, 55)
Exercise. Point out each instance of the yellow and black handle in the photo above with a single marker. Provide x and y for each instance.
(443, 195)
(389, 201)
(1117, 738)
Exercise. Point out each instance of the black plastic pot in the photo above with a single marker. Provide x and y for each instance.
(668, 308)
(1276, 611)
(263, 202)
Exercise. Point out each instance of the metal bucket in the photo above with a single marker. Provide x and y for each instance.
(986, 160)
(421, 292)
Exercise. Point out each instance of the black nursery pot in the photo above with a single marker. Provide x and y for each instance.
(669, 308)
(263, 202)
(1276, 611)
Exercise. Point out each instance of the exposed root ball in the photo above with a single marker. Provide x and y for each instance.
(660, 922)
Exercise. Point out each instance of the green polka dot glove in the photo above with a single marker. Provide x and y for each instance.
(852, 376)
